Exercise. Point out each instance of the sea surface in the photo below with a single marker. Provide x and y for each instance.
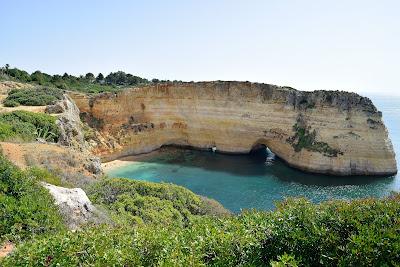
(259, 180)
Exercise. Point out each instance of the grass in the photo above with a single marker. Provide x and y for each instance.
(27, 126)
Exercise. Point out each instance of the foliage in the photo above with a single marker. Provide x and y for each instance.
(137, 202)
(89, 84)
(285, 260)
(40, 96)
(121, 78)
(27, 126)
(303, 138)
(26, 208)
(45, 176)
(357, 233)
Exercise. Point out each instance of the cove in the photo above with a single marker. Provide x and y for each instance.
(251, 181)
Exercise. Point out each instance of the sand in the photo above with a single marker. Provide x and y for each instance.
(115, 164)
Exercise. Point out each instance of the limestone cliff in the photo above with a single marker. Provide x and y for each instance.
(322, 131)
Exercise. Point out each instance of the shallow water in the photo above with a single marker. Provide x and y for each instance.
(250, 181)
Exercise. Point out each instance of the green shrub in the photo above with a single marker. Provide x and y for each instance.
(142, 202)
(39, 96)
(27, 126)
(45, 176)
(10, 103)
(26, 208)
(336, 233)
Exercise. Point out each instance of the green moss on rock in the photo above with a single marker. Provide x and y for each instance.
(304, 138)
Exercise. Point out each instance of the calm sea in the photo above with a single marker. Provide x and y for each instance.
(252, 181)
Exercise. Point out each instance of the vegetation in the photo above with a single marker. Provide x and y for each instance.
(27, 126)
(163, 224)
(357, 233)
(40, 96)
(303, 138)
(85, 83)
(26, 209)
(137, 202)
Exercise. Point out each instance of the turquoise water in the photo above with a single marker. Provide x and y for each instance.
(247, 181)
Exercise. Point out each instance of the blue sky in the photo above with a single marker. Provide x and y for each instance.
(345, 45)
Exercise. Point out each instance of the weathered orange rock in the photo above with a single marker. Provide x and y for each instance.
(322, 131)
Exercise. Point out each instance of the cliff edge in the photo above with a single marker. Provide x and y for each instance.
(330, 132)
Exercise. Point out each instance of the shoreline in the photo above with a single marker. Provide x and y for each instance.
(115, 164)
(125, 160)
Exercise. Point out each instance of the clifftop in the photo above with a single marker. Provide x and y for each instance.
(301, 100)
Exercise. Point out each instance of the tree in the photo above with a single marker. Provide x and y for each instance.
(89, 76)
(100, 78)
(38, 77)
(6, 68)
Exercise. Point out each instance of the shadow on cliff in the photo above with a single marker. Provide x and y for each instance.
(258, 164)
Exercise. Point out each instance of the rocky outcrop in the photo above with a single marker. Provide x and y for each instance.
(322, 131)
(69, 123)
(74, 205)
(72, 131)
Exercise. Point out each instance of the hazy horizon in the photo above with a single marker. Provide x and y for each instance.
(306, 45)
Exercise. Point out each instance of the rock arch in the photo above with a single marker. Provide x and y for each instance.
(323, 131)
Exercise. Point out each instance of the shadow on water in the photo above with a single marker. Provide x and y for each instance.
(257, 163)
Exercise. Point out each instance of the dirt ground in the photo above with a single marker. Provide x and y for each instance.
(6, 248)
(67, 163)
(18, 153)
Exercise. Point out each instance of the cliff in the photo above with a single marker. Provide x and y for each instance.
(329, 132)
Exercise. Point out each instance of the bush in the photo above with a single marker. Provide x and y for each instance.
(26, 208)
(357, 233)
(45, 176)
(10, 103)
(134, 202)
(27, 126)
(39, 96)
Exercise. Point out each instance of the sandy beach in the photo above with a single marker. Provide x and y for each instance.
(108, 166)
(117, 163)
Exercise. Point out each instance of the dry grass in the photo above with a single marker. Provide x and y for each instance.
(59, 160)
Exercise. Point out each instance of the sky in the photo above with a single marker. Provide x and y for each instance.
(340, 45)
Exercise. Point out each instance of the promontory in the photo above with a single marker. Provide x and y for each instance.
(331, 132)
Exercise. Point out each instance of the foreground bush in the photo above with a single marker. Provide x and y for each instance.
(39, 96)
(26, 208)
(136, 202)
(358, 233)
(27, 126)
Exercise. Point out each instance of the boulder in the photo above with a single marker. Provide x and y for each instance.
(94, 165)
(74, 205)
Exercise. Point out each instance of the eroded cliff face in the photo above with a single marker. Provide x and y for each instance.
(322, 131)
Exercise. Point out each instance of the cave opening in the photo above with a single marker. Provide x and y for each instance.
(262, 153)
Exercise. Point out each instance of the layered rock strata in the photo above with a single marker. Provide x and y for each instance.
(329, 132)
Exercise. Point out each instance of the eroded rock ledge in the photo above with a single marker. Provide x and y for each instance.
(329, 132)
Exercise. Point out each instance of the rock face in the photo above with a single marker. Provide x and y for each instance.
(322, 131)
(74, 205)
(72, 132)
(69, 123)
